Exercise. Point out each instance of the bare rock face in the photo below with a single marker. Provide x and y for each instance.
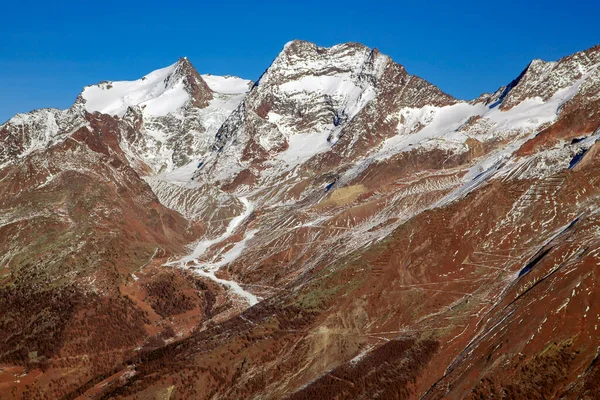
(195, 86)
(339, 229)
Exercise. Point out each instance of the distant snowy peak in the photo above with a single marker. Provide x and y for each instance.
(327, 85)
(307, 90)
(159, 93)
(173, 113)
(544, 79)
(306, 67)
(300, 58)
(311, 89)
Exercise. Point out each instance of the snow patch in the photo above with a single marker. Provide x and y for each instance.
(303, 146)
(227, 84)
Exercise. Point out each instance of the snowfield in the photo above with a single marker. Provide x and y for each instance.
(227, 84)
(153, 92)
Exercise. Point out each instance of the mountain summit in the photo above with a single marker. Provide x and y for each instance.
(159, 93)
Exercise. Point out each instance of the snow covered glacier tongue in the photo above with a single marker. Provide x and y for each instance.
(209, 268)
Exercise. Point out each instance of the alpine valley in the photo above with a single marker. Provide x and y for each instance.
(338, 229)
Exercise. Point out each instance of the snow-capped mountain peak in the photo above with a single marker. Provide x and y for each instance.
(544, 78)
(159, 93)
(174, 111)
(311, 99)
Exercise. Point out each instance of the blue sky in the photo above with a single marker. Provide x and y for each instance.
(50, 50)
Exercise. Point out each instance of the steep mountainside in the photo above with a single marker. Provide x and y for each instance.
(338, 229)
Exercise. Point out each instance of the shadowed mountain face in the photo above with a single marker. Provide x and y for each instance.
(338, 229)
